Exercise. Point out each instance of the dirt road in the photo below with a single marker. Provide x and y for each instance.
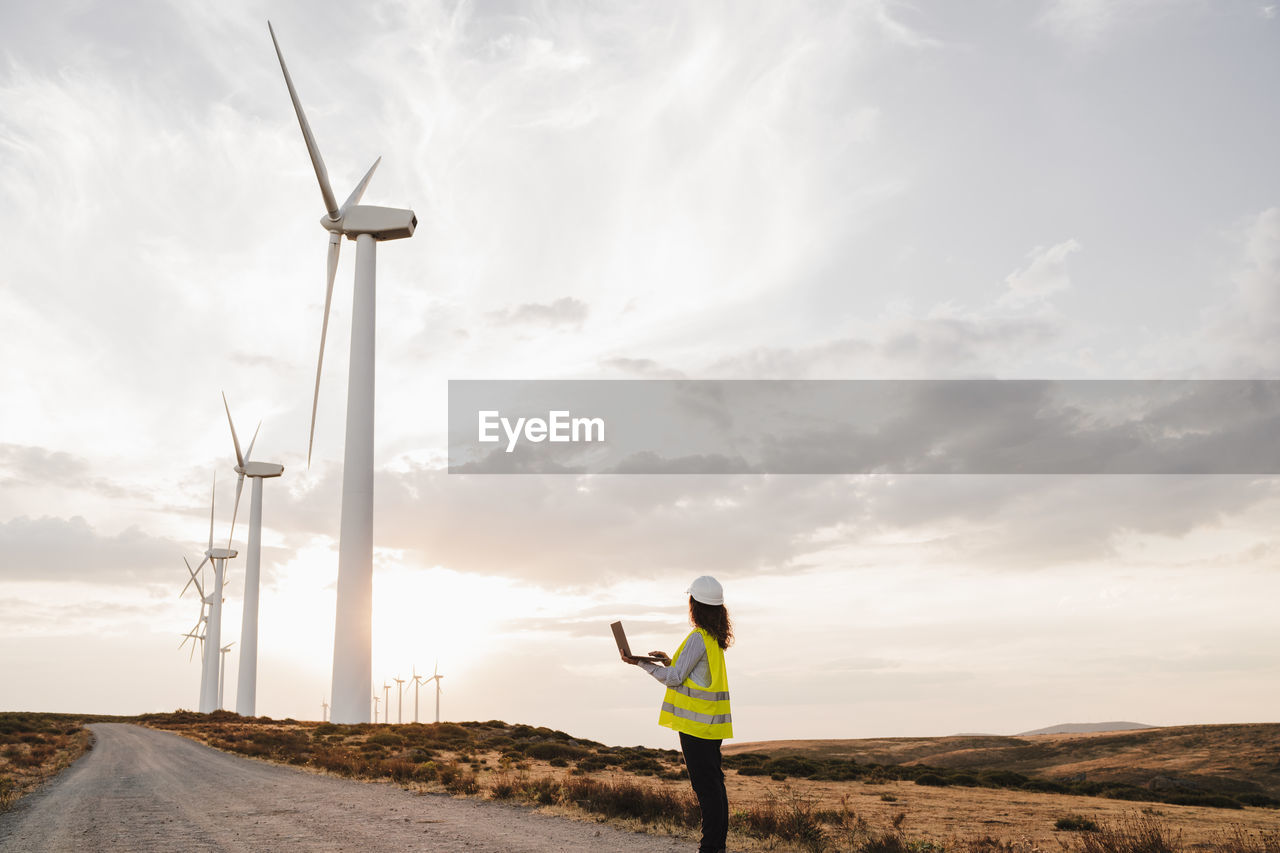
(141, 789)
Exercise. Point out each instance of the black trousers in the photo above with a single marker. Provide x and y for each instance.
(702, 758)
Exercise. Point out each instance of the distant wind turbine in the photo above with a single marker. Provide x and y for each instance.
(386, 703)
(375, 707)
(196, 635)
(247, 677)
(324, 711)
(418, 680)
(367, 226)
(436, 678)
(400, 704)
(222, 676)
(213, 624)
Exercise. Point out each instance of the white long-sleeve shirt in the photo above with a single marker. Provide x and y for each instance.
(692, 664)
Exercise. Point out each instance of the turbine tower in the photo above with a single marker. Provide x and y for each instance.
(247, 677)
(366, 225)
(436, 678)
(418, 680)
(375, 707)
(324, 711)
(400, 704)
(213, 625)
(222, 676)
(386, 703)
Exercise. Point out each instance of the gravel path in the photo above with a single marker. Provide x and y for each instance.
(142, 789)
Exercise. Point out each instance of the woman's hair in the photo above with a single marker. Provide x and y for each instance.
(712, 618)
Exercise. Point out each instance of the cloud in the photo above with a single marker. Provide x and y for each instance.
(1079, 23)
(65, 549)
(26, 466)
(646, 368)
(1046, 272)
(565, 311)
(1242, 331)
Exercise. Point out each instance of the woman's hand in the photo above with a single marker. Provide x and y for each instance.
(662, 656)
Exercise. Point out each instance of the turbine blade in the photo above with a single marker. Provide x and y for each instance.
(192, 572)
(249, 453)
(239, 486)
(213, 495)
(322, 174)
(358, 192)
(231, 423)
(335, 246)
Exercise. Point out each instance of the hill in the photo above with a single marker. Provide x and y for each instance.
(1085, 728)
(1244, 757)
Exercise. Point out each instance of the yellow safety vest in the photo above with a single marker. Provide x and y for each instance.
(696, 710)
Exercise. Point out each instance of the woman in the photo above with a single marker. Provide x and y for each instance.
(697, 703)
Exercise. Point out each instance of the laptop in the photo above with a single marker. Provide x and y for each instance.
(620, 637)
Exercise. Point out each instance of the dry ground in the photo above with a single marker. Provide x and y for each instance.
(940, 815)
(33, 749)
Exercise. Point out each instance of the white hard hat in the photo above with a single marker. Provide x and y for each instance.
(707, 590)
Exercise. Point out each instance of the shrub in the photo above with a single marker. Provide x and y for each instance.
(397, 768)
(794, 822)
(792, 765)
(1144, 834)
(627, 799)
(544, 751)
(542, 791)
(1214, 801)
(462, 783)
(341, 761)
(1075, 823)
(1253, 798)
(1002, 779)
(932, 779)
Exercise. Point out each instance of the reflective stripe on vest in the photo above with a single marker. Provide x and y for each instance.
(701, 711)
(695, 716)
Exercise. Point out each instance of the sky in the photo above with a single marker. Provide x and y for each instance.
(1060, 189)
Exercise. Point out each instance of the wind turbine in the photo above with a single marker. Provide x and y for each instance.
(213, 626)
(324, 711)
(386, 703)
(436, 678)
(400, 704)
(366, 225)
(222, 677)
(196, 634)
(418, 680)
(247, 677)
(375, 707)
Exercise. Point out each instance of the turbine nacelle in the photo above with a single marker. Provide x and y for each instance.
(381, 223)
(264, 470)
(220, 553)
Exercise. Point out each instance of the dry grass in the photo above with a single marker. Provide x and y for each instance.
(33, 749)
(1244, 757)
(646, 789)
